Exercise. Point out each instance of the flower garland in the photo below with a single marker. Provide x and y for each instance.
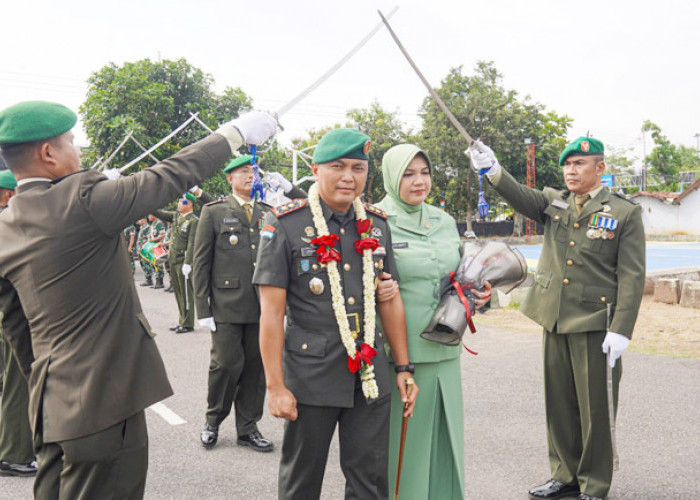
(325, 253)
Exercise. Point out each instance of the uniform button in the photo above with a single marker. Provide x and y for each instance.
(252, 230)
(226, 282)
(252, 246)
(576, 225)
(572, 243)
(346, 266)
(379, 333)
(556, 217)
(354, 335)
(314, 267)
(255, 264)
(304, 347)
(566, 281)
(351, 300)
(569, 262)
(342, 230)
(231, 228)
(602, 299)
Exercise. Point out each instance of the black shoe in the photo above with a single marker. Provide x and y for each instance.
(183, 329)
(173, 328)
(18, 470)
(169, 289)
(554, 489)
(209, 436)
(256, 441)
(583, 496)
(148, 282)
(158, 285)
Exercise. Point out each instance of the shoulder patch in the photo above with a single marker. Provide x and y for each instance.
(216, 202)
(375, 210)
(288, 208)
(623, 197)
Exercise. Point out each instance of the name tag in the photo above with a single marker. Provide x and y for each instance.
(308, 251)
(231, 221)
(560, 204)
(401, 244)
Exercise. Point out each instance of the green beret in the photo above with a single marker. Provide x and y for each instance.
(7, 180)
(582, 146)
(33, 121)
(342, 143)
(191, 197)
(238, 162)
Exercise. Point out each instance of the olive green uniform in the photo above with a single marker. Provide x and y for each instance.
(225, 251)
(315, 362)
(15, 431)
(184, 227)
(578, 276)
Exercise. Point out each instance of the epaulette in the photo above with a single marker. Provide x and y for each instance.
(622, 196)
(288, 208)
(216, 202)
(375, 210)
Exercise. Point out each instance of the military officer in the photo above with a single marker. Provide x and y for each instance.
(141, 238)
(16, 452)
(587, 292)
(156, 235)
(180, 256)
(5, 194)
(319, 261)
(225, 254)
(92, 363)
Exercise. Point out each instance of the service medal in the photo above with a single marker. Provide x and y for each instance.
(590, 234)
(309, 231)
(606, 208)
(376, 233)
(233, 239)
(609, 235)
(599, 232)
(316, 286)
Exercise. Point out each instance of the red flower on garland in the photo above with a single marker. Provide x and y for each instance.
(364, 226)
(326, 252)
(365, 353)
(371, 243)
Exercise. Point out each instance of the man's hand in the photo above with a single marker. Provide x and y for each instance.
(275, 180)
(186, 270)
(482, 158)
(615, 344)
(401, 379)
(208, 322)
(254, 128)
(482, 296)
(196, 190)
(386, 288)
(282, 403)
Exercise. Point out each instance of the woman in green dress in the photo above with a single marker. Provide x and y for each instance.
(426, 247)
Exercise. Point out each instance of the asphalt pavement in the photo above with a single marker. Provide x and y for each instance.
(505, 444)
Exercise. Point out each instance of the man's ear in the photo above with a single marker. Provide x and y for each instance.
(314, 170)
(600, 167)
(46, 153)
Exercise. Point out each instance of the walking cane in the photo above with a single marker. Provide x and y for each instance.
(611, 403)
(402, 443)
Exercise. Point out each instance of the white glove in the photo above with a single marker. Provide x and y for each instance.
(482, 158)
(615, 344)
(254, 128)
(208, 322)
(275, 180)
(112, 174)
(186, 270)
(195, 190)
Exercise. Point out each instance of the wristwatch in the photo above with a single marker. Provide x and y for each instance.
(410, 368)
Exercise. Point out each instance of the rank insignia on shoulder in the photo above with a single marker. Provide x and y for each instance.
(215, 202)
(288, 208)
(375, 210)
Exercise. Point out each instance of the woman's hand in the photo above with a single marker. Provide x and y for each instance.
(482, 296)
(386, 288)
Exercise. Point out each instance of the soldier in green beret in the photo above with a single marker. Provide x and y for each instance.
(16, 450)
(90, 352)
(319, 261)
(587, 292)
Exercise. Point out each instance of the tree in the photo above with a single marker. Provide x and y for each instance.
(502, 121)
(667, 160)
(150, 99)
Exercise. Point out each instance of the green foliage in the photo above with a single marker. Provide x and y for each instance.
(618, 162)
(668, 160)
(151, 99)
(503, 121)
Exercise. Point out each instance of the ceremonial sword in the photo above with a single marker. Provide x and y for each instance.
(611, 401)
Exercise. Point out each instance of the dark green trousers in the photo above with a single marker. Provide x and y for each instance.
(110, 464)
(236, 376)
(185, 304)
(578, 426)
(363, 433)
(15, 431)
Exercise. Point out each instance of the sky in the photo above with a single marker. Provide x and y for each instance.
(609, 65)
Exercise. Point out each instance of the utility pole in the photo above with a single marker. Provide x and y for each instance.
(697, 141)
(644, 161)
(530, 226)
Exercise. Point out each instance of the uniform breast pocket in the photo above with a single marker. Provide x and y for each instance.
(559, 221)
(312, 278)
(229, 237)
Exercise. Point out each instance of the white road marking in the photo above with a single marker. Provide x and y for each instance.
(167, 414)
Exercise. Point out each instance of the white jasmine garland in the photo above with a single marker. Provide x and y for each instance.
(369, 384)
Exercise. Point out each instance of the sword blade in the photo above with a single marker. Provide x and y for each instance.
(434, 95)
(611, 402)
(331, 71)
